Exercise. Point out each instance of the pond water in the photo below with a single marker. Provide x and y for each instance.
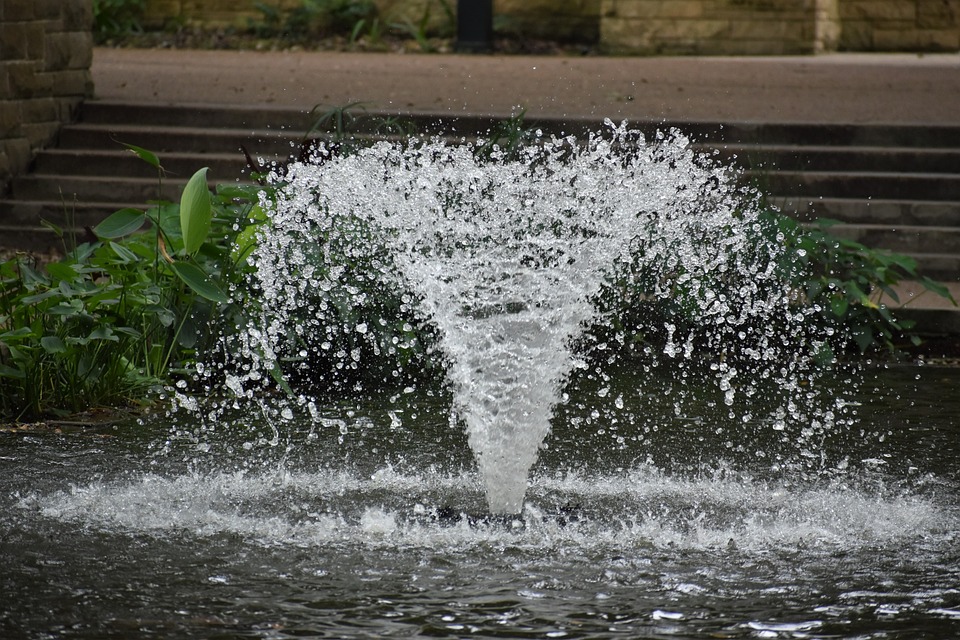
(659, 527)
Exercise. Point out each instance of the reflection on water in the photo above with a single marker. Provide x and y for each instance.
(339, 533)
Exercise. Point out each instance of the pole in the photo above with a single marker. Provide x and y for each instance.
(474, 25)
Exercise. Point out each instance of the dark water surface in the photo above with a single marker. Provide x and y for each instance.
(336, 533)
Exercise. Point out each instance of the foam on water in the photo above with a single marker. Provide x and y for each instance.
(640, 509)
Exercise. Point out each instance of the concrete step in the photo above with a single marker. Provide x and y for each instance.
(878, 211)
(835, 135)
(908, 239)
(122, 163)
(65, 214)
(282, 118)
(49, 187)
(938, 266)
(864, 185)
(769, 158)
(239, 116)
(285, 119)
(34, 239)
(162, 140)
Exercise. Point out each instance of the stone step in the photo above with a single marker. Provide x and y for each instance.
(285, 119)
(48, 187)
(834, 135)
(162, 140)
(859, 210)
(864, 185)
(769, 158)
(240, 117)
(65, 214)
(123, 163)
(939, 266)
(907, 239)
(33, 239)
(281, 118)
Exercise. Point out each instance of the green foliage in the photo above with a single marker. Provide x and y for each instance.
(196, 212)
(507, 138)
(846, 281)
(121, 315)
(353, 20)
(114, 18)
(315, 18)
(420, 31)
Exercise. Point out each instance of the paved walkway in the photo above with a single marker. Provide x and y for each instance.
(846, 88)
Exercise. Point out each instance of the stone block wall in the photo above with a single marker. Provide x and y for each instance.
(46, 47)
(900, 25)
(213, 13)
(778, 27)
(710, 27)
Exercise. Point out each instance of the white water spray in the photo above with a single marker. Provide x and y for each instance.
(505, 257)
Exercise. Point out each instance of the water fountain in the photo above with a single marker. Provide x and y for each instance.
(506, 257)
(723, 481)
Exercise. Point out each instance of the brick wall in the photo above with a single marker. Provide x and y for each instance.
(213, 13)
(709, 27)
(46, 48)
(770, 27)
(900, 25)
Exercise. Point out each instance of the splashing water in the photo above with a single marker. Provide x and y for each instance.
(506, 258)
(622, 294)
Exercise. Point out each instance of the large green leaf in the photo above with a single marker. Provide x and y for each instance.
(147, 156)
(119, 224)
(200, 282)
(195, 212)
(123, 253)
(11, 372)
(61, 271)
(53, 344)
(20, 333)
(68, 308)
(246, 240)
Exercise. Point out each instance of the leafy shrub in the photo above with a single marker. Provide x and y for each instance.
(314, 18)
(124, 313)
(845, 280)
(113, 18)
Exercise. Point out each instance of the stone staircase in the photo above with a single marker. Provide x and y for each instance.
(894, 187)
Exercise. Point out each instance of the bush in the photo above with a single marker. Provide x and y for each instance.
(127, 312)
(114, 18)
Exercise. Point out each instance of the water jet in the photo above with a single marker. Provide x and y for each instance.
(507, 256)
(624, 372)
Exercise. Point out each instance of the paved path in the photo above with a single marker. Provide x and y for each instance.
(847, 88)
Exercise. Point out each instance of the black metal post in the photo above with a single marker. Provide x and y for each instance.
(474, 25)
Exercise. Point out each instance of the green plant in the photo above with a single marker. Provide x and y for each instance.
(421, 31)
(846, 280)
(316, 18)
(507, 138)
(112, 18)
(122, 314)
(372, 33)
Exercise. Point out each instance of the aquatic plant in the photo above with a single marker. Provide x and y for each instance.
(125, 310)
